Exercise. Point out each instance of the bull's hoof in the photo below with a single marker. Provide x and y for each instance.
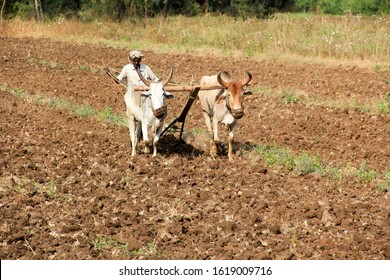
(146, 150)
(213, 151)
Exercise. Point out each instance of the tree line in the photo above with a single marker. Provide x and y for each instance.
(118, 10)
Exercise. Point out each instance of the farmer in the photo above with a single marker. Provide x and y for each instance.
(129, 71)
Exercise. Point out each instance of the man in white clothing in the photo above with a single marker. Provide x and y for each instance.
(129, 71)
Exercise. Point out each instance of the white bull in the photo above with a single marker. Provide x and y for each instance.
(150, 113)
(222, 106)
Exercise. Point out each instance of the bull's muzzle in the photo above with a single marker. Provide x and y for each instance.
(160, 112)
(237, 113)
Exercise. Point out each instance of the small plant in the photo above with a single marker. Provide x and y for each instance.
(102, 242)
(275, 155)
(46, 63)
(150, 251)
(198, 131)
(384, 185)
(107, 115)
(83, 111)
(305, 164)
(384, 104)
(289, 97)
(335, 172)
(365, 174)
(30, 232)
(49, 189)
(84, 67)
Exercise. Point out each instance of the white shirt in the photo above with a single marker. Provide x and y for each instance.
(131, 75)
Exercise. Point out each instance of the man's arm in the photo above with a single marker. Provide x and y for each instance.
(122, 75)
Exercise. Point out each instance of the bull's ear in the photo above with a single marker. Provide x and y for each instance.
(168, 95)
(247, 92)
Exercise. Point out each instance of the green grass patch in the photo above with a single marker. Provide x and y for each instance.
(45, 63)
(80, 110)
(384, 104)
(384, 184)
(101, 242)
(289, 96)
(304, 164)
(107, 115)
(49, 189)
(276, 155)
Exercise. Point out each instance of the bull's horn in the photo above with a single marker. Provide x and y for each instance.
(221, 81)
(169, 77)
(247, 79)
(145, 81)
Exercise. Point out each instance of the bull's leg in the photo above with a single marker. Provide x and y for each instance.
(213, 147)
(156, 137)
(145, 137)
(215, 139)
(232, 128)
(133, 135)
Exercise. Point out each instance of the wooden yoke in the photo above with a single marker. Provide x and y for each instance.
(180, 88)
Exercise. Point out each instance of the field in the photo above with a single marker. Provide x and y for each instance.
(310, 179)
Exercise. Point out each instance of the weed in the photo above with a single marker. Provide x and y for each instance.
(364, 174)
(46, 63)
(198, 131)
(83, 111)
(305, 164)
(384, 185)
(274, 155)
(49, 189)
(384, 104)
(83, 67)
(334, 172)
(150, 251)
(289, 97)
(108, 116)
(101, 242)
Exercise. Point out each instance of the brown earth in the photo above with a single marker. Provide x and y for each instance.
(69, 188)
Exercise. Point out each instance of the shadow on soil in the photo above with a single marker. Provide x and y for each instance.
(169, 144)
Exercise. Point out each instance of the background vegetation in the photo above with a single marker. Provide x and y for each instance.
(118, 10)
(249, 28)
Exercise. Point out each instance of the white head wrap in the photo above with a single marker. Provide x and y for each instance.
(134, 54)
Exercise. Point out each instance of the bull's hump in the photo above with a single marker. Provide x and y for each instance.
(209, 81)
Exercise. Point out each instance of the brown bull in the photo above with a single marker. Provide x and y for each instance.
(222, 106)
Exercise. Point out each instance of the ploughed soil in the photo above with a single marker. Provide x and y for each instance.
(69, 188)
